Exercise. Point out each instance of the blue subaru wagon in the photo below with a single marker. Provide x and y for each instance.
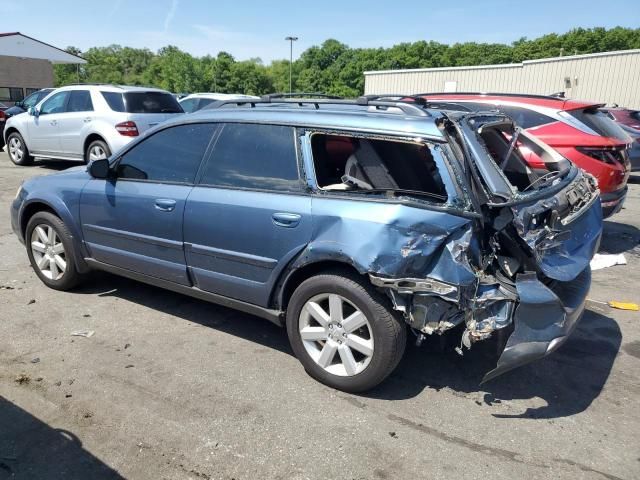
(347, 222)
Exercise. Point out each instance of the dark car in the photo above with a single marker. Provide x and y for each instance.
(624, 116)
(30, 101)
(351, 223)
(634, 149)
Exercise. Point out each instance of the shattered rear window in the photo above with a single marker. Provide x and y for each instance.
(526, 162)
(369, 165)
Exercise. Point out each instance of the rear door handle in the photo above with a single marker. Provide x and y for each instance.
(53, 122)
(87, 120)
(165, 204)
(288, 220)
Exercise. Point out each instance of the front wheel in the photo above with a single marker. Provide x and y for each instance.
(344, 332)
(18, 151)
(50, 249)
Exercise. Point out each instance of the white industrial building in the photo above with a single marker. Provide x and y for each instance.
(607, 77)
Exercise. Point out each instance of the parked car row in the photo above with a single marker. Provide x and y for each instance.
(352, 223)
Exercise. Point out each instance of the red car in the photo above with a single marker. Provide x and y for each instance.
(624, 116)
(576, 129)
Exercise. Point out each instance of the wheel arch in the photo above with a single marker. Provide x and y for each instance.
(295, 275)
(41, 205)
(11, 130)
(92, 137)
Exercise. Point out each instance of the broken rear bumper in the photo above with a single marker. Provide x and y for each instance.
(544, 319)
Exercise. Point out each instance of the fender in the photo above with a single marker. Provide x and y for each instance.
(62, 211)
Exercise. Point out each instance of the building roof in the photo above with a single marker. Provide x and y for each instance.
(15, 44)
(508, 65)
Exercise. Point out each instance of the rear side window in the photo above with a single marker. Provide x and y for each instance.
(524, 117)
(254, 156)
(171, 155)
(599, 123)
(189, 105)
(114, 100)
(151, 102)
(80, 101)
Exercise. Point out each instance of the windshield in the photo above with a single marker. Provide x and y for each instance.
(527, 163)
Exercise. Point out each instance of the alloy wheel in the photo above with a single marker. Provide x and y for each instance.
(48, 252)
(15, 149)
(336, 334)
(97, 153)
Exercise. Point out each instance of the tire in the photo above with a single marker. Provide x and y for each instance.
(17, 150)
(384, 334)
(46, 252)
(92, 152)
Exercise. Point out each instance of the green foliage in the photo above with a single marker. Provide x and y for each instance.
(332, 67)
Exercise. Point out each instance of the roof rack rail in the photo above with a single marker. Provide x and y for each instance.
(90, 83)
(300, 95)
(405, 107)
(498, 94)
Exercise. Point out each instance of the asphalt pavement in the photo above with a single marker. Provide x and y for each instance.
(170, 387)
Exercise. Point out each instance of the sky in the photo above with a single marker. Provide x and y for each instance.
(252, 28)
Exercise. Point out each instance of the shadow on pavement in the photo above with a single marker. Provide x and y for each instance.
(55, 165)
(31, 449)
(569, 380)
(619, 238)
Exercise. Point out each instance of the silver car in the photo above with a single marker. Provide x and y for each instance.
(86, 122)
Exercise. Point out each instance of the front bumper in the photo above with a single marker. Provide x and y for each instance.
(544, 319)
(14, 211)
(612, 201)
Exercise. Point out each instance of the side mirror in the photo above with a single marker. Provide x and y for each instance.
(34, 111)
(99, 168)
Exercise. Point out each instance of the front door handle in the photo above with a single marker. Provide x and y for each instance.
(53, 122)
(288, 220)
(165, 204)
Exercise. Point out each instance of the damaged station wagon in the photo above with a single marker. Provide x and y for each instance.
(350, 223)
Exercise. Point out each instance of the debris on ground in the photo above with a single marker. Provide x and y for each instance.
(22, 379)
(128, 366)
(68, 395)
(6, 287)
(624, 306)
(601, 260)
(83, 333)
(86, 315)
(393, 434)
(35, 360)
(39, 379)
(31, 302)
(58, 383)
(127, 345)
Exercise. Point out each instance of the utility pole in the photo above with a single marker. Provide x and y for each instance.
(290, 39)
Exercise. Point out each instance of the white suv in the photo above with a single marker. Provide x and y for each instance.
(86, 122)
(197, 101)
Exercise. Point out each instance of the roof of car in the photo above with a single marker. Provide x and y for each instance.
(334, 117)
(111, 87)
(218, 96)
(547, 101)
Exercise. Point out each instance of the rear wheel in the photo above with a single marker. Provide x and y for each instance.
(18, 151)
(97, 150)
(344, 333)
(50, 250)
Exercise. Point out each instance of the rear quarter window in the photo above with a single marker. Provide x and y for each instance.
(151, 102)
(114, 100)
(600, 123)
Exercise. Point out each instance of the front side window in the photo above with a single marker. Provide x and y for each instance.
(80, 101)
(171, 155)
(55, 104)
(254, 156)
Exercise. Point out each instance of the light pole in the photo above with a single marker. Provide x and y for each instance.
(290, 39)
